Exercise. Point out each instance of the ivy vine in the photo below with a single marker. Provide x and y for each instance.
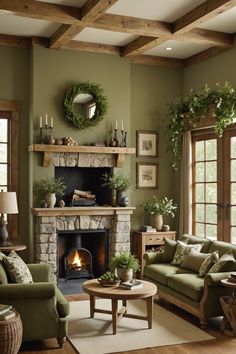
(77, 119)
(193, 108)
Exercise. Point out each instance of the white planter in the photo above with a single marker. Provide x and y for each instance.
(125, 274)
(50, 199)
(158, 221)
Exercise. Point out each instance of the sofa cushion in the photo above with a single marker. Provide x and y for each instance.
(222, 247)
(159, 272)
(3, 275)
(189, 285)
(169, 250)
(182, 250)
(208, 263)
(226, 263)
(193, 260)
(191, 239)
(16, 268)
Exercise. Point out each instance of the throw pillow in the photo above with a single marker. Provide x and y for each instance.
(193, 260)
(224, 264)
(208, 263)
(169, 250)
(16, 268)
(182, 250)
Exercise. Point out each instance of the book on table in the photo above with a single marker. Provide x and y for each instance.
(130, 285)
(232, 279)
(4, 308)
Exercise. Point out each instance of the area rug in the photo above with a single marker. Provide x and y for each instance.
(94, 335)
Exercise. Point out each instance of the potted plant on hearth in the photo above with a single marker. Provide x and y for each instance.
(159, 207)
(125, 264)
(49, 187)
(118, 183)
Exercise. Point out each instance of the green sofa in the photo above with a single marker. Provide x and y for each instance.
(184, 287)
(42, 307)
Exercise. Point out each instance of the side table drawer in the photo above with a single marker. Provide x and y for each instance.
(153, 239)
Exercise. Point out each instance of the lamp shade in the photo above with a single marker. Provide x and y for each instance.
(8, 203)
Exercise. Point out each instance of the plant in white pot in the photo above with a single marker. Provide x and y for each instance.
(159, 207)
(126, 264)
(49, 187)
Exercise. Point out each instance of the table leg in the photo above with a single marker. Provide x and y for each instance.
(92, 305)
(149, 310)
(114, 315)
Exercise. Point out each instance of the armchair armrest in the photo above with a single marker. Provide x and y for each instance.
(152, 257)
(213, 279)
(24, 291)
(41, 272)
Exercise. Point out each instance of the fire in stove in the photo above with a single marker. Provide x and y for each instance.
(78, 264)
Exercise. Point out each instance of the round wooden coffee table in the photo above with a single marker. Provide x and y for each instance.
(147, 292)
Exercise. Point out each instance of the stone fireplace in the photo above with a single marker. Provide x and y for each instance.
(51, 222)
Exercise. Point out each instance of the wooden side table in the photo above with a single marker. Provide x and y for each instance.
(141, 242)
(11, 335)
(13, 247)
(228, 304)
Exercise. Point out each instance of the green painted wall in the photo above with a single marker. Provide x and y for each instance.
(14, 85)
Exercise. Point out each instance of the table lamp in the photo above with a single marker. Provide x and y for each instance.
(8, 205)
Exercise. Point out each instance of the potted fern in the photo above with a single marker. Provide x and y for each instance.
(126, 264)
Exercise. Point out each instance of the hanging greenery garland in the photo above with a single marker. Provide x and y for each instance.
(189, 111)
(77, 119)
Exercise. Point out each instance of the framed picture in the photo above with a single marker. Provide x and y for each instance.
(147, 175)
(147, 142)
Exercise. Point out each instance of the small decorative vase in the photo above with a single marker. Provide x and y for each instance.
(158, 221)
(50, 199)
(113, 197)
(166, 227)
(61, 203)
(122, 199)
(125, 274)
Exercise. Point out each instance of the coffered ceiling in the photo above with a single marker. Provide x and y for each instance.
(156, 32)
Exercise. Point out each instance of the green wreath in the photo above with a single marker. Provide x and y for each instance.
(77, 119)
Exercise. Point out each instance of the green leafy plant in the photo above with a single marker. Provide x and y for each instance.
(189, 111)
(50, 185)
(117, 181)
(160, 206)
(125, 260)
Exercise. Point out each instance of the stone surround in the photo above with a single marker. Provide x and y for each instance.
(50, 221)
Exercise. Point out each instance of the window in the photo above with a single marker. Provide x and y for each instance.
(9, 147)
(214, 185)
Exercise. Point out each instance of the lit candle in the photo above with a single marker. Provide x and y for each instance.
(40, 122)
(46, 121)
(122, 126)
(116, 124)
(51, 122)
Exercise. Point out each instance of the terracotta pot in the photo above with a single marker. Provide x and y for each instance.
(125, 274)
(50, 199)
(158, 221)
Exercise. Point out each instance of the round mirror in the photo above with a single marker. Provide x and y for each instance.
(85, 105)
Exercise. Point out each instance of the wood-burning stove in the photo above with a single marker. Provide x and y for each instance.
(78, 264)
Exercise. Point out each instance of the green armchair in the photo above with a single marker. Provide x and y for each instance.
(42, 307)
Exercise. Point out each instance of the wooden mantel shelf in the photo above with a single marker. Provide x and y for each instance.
(48, 150)
(76, 211)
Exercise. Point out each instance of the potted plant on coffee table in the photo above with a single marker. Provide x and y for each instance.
(159, 207)
(49, 187)
(126, 264)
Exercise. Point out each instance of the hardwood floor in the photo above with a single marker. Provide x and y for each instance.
(222, 344)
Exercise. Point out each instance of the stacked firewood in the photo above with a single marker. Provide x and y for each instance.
(83, 196)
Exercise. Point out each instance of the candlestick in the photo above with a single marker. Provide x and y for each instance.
(116, 139)
(46, 121)
(51, 122)
(122, 126)
(40, 122)
(116, 125)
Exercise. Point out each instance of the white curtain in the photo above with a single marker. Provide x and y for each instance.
(185, 225)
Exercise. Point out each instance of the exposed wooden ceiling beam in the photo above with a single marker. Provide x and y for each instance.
(204, 55)
(154, 60)
(93, 9)
(204, 12)
(141, 45)
(93, 47)
(15, 41)
(41, 10)
(63, 35)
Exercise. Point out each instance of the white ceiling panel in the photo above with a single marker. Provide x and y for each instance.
(225, 22)
(161, 10)
(20, 26)
(104, 37)
(180, 50)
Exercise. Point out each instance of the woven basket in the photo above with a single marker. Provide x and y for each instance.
(11, 335)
